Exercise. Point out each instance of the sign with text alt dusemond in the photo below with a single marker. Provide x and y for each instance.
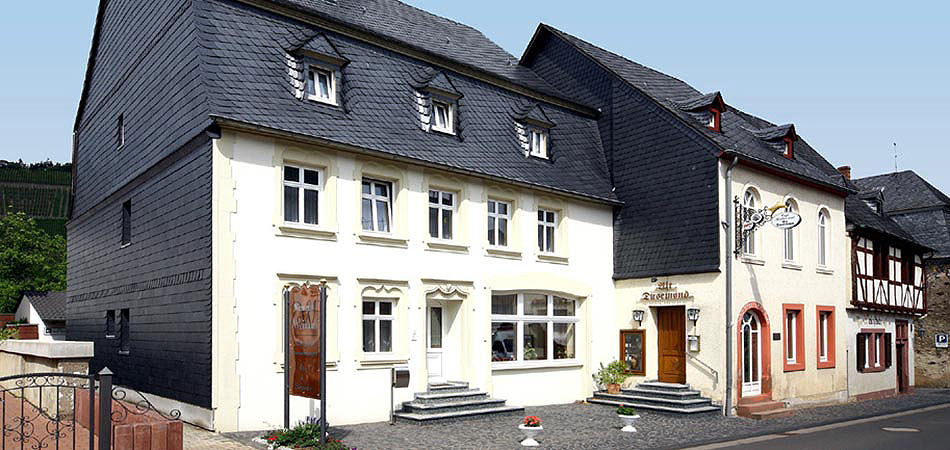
(786, 220)
(942, 340)
(304, 364)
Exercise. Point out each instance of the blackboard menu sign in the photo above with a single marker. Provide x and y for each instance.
(631, 351)
(304, 341)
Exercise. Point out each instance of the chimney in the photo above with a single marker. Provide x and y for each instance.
(845, 171)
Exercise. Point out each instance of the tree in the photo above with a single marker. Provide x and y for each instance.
(30, 260)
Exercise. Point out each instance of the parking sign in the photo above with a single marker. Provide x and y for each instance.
(942, 340)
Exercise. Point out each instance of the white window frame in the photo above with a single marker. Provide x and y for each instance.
(312, 80)
(449, 107)
(538, 142)
(441, 209)
(494, 217)
(543, 225)
(789, 238)
(823, 318)
(301, 187)
(373, 198)
(823, 219)
(749, 200)
(376, 317)
(791, 334)
(520, 319)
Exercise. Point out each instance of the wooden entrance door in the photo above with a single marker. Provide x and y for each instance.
(901, 344)
(671, 336)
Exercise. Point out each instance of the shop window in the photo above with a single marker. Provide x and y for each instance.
(826, 337)
(632, 351)
(532, 327)
(794, 343)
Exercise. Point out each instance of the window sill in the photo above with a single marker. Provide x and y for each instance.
(826, 365)
(502, 252)
(110, 336)
(825, 271)
(385, 240)
(125, 245)
(442, 131)
(793, 367)
(381, 362)
(748, 259)
(446, 246)
(791, 265)
(528, 365)
(324, 101)
(873, 369)
(552, 258)
(300, 231)
(124, 352)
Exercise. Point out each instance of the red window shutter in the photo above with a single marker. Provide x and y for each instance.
(887, 350)
(862, 351)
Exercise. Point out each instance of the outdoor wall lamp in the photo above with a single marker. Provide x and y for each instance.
(692, 314)
(638, 316)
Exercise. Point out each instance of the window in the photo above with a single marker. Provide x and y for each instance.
(321, 85)
(789, 148)
(715, 120)
(873, 351)
(110, 324)
(632, 351)
(443, 116)
(120, 132)
(547, 225)
(538, 142)
(124, 332)
(823, 238)
(377, 205)
(826, 336)
(532, 327)
(794, 345)
(907, 267)
(880, 261)
(126, 222)
(441, 210)
(301, 195)
(499, 214)
(377, 326)
(749, 202)
(790, 255)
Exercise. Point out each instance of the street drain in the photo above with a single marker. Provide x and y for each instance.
(901, 430)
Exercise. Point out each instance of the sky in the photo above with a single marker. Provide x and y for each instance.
(854, 77)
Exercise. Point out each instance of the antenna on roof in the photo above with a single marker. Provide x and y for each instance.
(895, 156)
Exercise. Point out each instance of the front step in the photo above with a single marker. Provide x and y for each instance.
(452, 400)
(764, 410)
(658, 396)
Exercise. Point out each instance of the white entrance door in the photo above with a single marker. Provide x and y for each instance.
(434, 344)
(751, 355)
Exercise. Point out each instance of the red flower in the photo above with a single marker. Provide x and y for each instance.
(532, 421)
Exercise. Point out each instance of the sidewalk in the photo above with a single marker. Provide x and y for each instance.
(586, 426)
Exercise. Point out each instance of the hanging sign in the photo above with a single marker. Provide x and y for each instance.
(942, 340)
(304, 341)
(786, 220)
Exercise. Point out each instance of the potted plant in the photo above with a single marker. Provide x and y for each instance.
(530, 427)
(628, 415)
(611, 376)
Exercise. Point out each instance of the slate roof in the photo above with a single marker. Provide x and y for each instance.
(51, 305)
(904, 190)
(247, 78)
(859, 214)
(739, 129)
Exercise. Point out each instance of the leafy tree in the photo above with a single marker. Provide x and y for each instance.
(30, 260)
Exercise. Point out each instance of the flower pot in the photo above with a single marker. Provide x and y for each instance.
(613, 388)
(628, 423)
(529, 434)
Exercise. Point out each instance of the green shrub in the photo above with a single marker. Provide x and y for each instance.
(305, 435)
(625, 410)
(614, 373)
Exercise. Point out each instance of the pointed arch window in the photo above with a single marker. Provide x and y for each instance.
(823, 222)
(750, 203)
(790, 240)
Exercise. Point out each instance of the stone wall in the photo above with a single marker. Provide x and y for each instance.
(18, 357)
(933, 364)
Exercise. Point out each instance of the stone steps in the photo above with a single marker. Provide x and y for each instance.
(657, 396)
(451, 401)
(766, 409)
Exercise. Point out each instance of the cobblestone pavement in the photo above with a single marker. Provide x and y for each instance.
(588, 426)
(199, 439)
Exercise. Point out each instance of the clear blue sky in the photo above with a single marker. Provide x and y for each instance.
(854, 77)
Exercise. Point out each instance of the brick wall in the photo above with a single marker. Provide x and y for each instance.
(932, 368)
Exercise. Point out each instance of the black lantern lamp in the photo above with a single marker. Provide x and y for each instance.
(693, 315)
(638, 316)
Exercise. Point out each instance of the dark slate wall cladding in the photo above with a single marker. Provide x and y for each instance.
(249, 82)
(665, 174)
(147, 69)
(163, 277)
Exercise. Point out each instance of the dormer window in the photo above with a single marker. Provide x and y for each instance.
(443, 116)
(321, 85)
(789, 148)
(538, 142)
(715, 120)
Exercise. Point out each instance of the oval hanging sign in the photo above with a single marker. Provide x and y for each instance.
(786, 220)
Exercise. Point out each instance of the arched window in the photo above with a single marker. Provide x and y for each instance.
(750, 203)
(823, 220)
(790, 234)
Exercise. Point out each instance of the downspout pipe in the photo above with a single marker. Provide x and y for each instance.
(730, 235)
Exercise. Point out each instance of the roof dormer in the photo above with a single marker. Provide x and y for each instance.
(708, 108)
(533, 128)
(782, 137)
(316, 69)
(436, 100)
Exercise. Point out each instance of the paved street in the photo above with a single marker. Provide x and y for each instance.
(918, 430)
